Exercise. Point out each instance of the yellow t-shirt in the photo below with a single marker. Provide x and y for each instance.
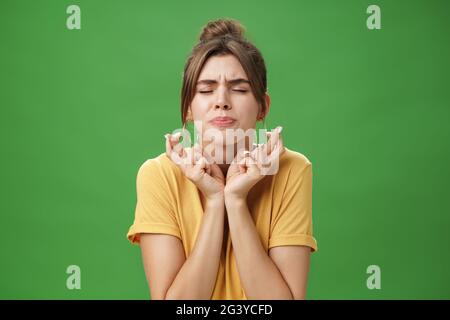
(281, 206)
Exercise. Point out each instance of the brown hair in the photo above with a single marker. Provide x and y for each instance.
(221, 37)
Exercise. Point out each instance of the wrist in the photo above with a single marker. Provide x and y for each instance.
(235, 200)
(215, 201)
(231, 194)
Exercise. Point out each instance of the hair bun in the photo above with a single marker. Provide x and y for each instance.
(222, 27)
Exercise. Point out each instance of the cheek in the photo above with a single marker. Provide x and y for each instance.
(247, 108)
(199, 108)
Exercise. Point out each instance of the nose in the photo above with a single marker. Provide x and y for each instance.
(223, 106)
(222, 101)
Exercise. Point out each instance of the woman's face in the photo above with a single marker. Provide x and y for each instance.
(223, 99)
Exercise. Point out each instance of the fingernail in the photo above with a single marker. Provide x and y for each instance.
(166, 135)
(279, 129)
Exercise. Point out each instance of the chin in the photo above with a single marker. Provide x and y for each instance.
(227, 135)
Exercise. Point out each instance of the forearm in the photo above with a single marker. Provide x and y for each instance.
(197, 277)
(259, 275)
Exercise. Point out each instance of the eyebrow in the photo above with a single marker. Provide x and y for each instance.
(231, 82)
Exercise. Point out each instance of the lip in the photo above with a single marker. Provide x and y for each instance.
(222, 122)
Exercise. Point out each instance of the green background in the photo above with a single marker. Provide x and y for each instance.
(81, 110)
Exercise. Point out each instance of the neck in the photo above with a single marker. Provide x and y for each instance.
(224, 167)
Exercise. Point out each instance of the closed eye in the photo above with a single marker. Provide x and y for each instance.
(235, 90)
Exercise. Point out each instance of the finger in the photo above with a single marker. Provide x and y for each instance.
(243, 157)
(197, 148)
(260, 156)
(171, 153)
(201, 164)
(242, 154)
(208, 158)
(281, 144)
(197, 156)
(215, 171)
(274, 139)
(276, 153)
(197, 152)
(174, 140)
(272, 160)
(239, 160)
(176, 137)
(271, 141)
(247, 162)
(178, 148)
(255, 152)
(255, 146)
(189, 159)
(265, 149)
(168, 145)
(169, 148)
(250, 163)
(268, 141)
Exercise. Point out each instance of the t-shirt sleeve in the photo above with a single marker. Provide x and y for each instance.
(292, 224)
(154, 211)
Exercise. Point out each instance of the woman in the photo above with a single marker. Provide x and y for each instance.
(211, 228)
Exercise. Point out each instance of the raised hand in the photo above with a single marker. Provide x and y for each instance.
(196, 166)
(249, 167)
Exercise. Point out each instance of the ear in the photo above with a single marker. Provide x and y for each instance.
(264, 114)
